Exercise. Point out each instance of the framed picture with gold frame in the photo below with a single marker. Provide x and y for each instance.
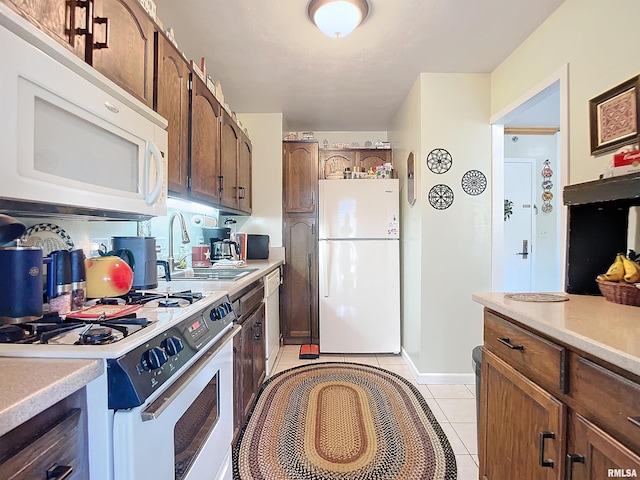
(613, 117)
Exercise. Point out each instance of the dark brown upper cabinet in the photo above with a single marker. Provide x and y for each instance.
(172, 102)
(205, 144)
(121, 46)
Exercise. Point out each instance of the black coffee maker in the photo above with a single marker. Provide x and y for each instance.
(222, 247)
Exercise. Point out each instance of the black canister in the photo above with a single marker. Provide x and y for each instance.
(20, 284)
(59, 281)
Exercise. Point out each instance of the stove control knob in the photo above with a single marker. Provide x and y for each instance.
(172, 345)
(153, 358)
(218, 313)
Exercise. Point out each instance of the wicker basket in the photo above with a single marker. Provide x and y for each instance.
(624, 293)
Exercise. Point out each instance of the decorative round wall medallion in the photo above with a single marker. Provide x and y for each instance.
(440, 196)
(439, 160)
(474, 182)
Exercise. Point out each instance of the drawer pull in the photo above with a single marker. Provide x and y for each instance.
(548, 462)
(635, 421)
(507, 341)
(59, 472)
(571, 459)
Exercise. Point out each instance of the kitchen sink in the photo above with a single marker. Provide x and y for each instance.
(220, 274)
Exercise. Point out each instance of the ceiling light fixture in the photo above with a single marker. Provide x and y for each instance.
(337, 18)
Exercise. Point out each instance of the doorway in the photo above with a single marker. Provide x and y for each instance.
(519, 225)
(544, 106)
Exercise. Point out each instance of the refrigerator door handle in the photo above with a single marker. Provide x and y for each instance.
(324, 262)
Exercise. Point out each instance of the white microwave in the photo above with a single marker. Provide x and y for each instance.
(67, 145)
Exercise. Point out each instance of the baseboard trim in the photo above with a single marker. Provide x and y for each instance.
(438, 378)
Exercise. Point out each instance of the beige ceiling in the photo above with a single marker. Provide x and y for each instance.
(269, 57)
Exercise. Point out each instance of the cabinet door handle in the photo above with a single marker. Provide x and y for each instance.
(258, 333)
(545, 462)
(88, 15)
(571, 459)
(59, 472)
(507, 341)
(102, 21)
(635, 421)
(220, 181)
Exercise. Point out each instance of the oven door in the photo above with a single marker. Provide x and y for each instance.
(186, 433)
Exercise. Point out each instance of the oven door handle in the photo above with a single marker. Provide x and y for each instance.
(153, 411)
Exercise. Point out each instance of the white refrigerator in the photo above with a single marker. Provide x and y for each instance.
(359, 281)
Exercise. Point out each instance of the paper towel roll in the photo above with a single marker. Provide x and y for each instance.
(204, 221)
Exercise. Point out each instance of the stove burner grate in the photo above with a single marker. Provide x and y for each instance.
(162, 298)
(51, 326)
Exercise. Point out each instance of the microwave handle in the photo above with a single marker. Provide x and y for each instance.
(152, 151)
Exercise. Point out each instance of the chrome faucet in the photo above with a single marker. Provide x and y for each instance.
(185, 237)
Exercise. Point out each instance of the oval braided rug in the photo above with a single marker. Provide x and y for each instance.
(342, 421)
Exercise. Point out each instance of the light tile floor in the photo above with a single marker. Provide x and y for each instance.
(454, 406)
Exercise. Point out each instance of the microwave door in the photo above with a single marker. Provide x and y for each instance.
(73, 144)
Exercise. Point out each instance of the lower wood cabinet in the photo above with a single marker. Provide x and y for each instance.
(592, 454)
(523, 425)
(53, 444)
(555, 414)
(249, 354)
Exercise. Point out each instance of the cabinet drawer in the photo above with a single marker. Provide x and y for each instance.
(539, 359)
(612, 401)
(57, 444)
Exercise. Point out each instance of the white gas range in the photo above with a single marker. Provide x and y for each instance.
(169, 380)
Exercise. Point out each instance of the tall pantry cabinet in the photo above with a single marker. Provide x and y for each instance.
(299, 292)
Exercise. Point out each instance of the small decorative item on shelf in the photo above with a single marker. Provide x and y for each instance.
(384, 171)
(149, 6)
(307, 136)
(203, 67)
(210, 85)
(291, 136)
(171, 36)
(194, 66)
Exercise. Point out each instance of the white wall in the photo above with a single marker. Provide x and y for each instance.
(405, 136)
(541, 148)
(599, 41)
(454, 244)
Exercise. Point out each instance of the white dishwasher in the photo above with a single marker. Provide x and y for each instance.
(272, 321)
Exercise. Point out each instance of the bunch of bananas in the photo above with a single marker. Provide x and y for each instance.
(622, 270)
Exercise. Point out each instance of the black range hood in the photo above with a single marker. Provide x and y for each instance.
(625, 188)
(598, 223)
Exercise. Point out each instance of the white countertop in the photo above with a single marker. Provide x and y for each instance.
(31, 385)
(264, 267)
(606, 330)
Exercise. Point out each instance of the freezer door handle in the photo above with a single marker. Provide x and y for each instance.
(324, 268)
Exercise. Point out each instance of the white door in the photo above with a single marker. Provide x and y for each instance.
(359, 296)
(519, 193)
